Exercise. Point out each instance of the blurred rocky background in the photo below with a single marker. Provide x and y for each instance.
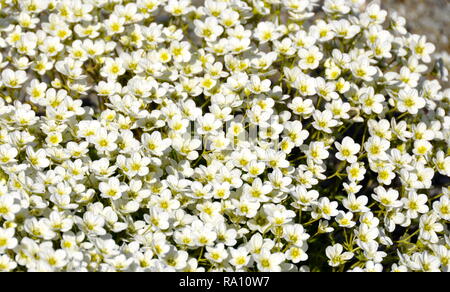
(426, 17)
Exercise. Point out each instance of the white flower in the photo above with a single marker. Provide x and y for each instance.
(316, 151)
(306, 85)
(137, 165)
(442, 207)
(372, 103)
(301, 107)
(112, 189)
(210, 29)
(385, 175)
(7, 239)
(420, 48)
(366, 234)
(376, 147)
(297, 254)
(304, 197)
(104, 141)
(361, 69)
(387, 197)
(422, 147)
(356, 204)
(8, 207)
(7, 264)
(257, 86)
(336, 256)
(429, 225)
(7, 154)
(269, 262)
(278, 215)
(216, 254)
(37, 90)
(37, 159)
(409, 101)
(245, 207)
(325, 209)
(345, 29)
(154, 143)
(115, 24)
(309, 58)
(347, 150)
(112, 68)
(13, 79)
(266, 31)
(217, 136)
(178, 7)
(374, 14)
(415, 204)
(323, 121)
(239, 257)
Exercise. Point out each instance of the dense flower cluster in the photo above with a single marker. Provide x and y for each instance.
(226, 135)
